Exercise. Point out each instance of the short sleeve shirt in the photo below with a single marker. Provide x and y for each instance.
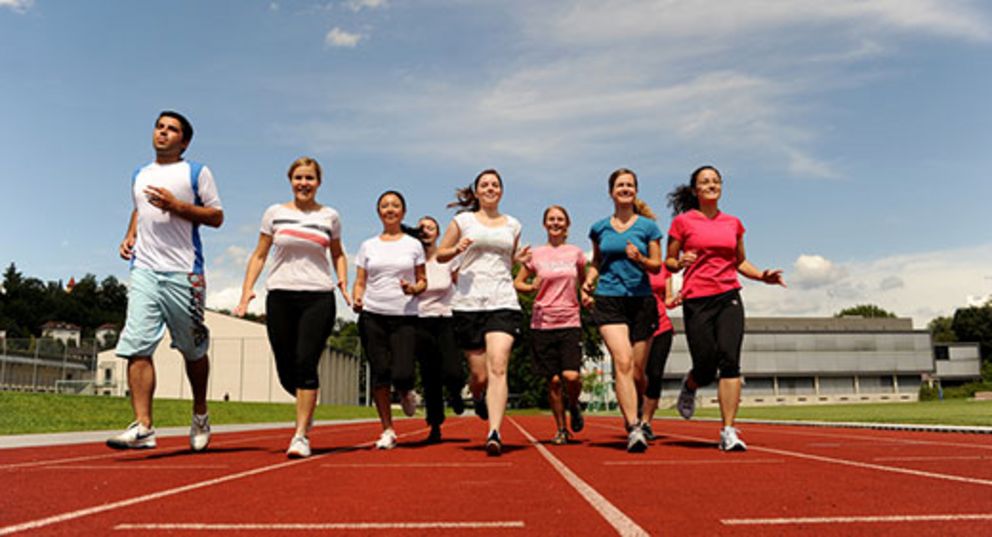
(485, 279)
(715, 243)
(618, 275)
(556, 304)
(301, 247)
(385, 264)
(436, 300)
(167, 242)
(658, 283)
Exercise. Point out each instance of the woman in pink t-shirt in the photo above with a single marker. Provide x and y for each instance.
(555, 327)
(709, 244)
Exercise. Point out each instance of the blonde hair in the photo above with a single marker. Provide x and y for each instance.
(305, 161)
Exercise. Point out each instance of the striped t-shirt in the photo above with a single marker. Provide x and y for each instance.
(300, 253)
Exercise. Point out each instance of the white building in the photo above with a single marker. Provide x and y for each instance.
(241, 368)
(61, 331)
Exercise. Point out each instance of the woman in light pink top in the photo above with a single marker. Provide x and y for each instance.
(556, 329)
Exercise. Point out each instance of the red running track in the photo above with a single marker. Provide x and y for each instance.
(793, 480)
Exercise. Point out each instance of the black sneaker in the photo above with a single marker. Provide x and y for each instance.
(435, 435)
(577, 421)
(494, 444)
(457, 404)
(481, 409)
(647, 430)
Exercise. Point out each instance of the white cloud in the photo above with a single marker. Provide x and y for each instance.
(17, 6)
(358, 5)
(921, 285)
(337, 37)
(273, 6)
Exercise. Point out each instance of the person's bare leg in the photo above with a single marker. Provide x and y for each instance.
(306, 400)
(477, 377)
(498, 347)
(618, 344)
(729, 392)
(198, 372)
(141, 383)
(556, 403)
(383, 406)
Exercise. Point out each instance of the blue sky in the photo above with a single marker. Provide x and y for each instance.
(853, 136)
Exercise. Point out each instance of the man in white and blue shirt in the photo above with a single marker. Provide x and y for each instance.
(172, 198)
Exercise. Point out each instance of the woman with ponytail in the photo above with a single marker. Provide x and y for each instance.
(709, 245)
(626, 247)
(486, 313)
(389, 275)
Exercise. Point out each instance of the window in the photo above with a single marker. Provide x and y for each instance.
(941, 352)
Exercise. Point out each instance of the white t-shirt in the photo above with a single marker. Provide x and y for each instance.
(485, 280)
(385, 264)
(167, 242)
(436, 300)
(301, 247)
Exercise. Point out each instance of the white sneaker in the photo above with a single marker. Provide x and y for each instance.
(636, 443)
(409, 402)
(199, 432)
(299, 448)
(136, 436)
(387, 440)
(729, 441)
(687, 400)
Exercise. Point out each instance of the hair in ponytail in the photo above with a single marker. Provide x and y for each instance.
(465, 197)
(414, 232)
(683, 197)
(640, 206)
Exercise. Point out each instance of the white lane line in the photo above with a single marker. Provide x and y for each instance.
(681, 462)
(421, 465)
(934, 458)
(845, 462)
(127, 467)
(71, 515)
(851, 519)
(499, 524)
(615, 517)
(119, 454)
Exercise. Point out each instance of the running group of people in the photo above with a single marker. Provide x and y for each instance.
(418, 300)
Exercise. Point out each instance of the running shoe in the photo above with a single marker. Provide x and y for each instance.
(481, 409)
(494, 444)
(577, 422)
(199, 432)
(457, 404)
(299, 448)
(387, 440)
(409, 402)
(730, 441)
(136, 436)
(647, 430)
(687, 399)
(434, 437)
(636, 443)
(561, 438)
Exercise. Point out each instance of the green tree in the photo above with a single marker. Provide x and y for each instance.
(975, 324)
(942, 330)
(868, 311)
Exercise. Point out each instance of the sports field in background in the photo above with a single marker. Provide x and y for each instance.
(25, 413)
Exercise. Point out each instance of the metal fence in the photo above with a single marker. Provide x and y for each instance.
(40, 364)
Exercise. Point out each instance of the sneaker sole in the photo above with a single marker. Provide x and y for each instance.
(638, 447)
(296, 455)
(494, 449)
(120, 446)
(735, 447)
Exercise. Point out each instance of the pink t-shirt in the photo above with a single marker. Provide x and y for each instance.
(658, 283)
(715, 244)
(557, 302)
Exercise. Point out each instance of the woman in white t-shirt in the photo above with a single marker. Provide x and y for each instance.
(299, 305)
(485, 308)
(389, 275)
(440, 363)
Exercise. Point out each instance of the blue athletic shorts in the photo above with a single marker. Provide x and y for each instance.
(159, 299)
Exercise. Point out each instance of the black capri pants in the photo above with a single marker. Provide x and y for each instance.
(388, 341)
(714, 330)
(298, 323)
(441, 364)
(661, 345)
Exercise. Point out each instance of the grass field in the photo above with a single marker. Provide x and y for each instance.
(23, 413)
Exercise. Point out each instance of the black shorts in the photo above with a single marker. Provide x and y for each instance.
(389, 342)
(639, 313)
(556, 350)
(714, 330)
(471, 327)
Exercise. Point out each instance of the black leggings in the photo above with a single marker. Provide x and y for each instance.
(441, 364)
(299, 323)
(714, 330)
(388, 341)
(660, 347)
